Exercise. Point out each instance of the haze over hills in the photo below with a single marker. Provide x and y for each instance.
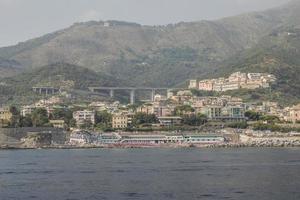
(169, 55)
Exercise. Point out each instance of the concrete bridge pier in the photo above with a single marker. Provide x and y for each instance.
(152, 94)
(111, 93)
(132, 96)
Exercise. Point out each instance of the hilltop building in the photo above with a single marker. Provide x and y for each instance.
(235, 81)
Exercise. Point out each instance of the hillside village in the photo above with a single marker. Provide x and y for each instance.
(180, 111)
(235, 81)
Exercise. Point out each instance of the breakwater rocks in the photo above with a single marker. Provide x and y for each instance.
(20, 138)
(270, 141)
(256, 144)
(252, 145)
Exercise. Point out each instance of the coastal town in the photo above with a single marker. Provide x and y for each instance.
(180, 118)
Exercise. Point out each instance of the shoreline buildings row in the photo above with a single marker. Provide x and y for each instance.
(235, 81)
(80, 137)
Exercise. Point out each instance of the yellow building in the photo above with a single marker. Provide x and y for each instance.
(120, 120)
(5, 116)
(58, 123)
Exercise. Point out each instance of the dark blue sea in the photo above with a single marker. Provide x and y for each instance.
(156, 174)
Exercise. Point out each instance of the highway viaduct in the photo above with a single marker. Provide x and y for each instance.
(132, 91)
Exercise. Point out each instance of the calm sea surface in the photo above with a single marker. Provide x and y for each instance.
(150, 174)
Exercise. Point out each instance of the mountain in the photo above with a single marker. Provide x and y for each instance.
(55, 75)
(152, 55)
(9, 68)
(277, 53)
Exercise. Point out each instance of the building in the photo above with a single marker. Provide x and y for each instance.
(83, 116)
(212, 112)
(206, 85)
(159, 97)
(143, 139)
(218, 87)
(109, 138)
(163, 110)
(225, 113)
(5, 116)
(170, 121)
(146, 108)
(235, 81)
(170, 94)
(234, 113)
(193, 84)
(294, 114)
(121, 120)
(27, 110)
(230, 86)
(98, 106)
(238, 77)
(79, 137)
(203, 139)
(58, 123)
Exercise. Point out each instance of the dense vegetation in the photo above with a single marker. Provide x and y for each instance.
(55, 75)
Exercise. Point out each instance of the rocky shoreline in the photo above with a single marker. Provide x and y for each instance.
(225, 145)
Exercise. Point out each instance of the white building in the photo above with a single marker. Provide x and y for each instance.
(27, 110)
(83, 116)
(193, 84)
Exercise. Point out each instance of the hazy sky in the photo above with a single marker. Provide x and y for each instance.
(24, 19)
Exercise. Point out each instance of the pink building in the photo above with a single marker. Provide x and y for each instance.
(206, 85)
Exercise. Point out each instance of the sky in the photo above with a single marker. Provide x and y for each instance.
(21, 20)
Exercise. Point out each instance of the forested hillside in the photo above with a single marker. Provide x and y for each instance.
(152, 55)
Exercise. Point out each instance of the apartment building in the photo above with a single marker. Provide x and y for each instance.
(27, 110)
(226, 113)
(5, 116)
(82, 116)
(193, 84)
(235, 81)
(121, 120)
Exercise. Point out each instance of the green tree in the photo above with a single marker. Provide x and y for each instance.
(39, 117)
(252, 115)
(26, 121)
(103, 117)
(103, 120)
(15, 119)
(270, 119)
(143, 118)
(72, 123)
(62, 114)
(239, 125)
(183, 110)
(194, 120)
(87, 124)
